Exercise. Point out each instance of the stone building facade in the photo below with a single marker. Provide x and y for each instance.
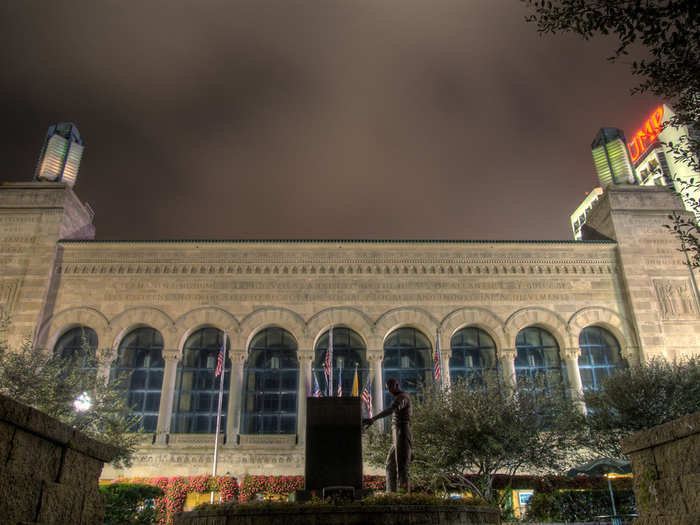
(502, 299)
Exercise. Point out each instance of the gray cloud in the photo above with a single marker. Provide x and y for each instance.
(441, 119)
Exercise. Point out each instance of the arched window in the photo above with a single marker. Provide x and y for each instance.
(600, 356)
(348, 354)
(196, 388)
(538, 358)
(473, 355)
(79, 344)
(407, 357)
(141, 357)
(270, 384)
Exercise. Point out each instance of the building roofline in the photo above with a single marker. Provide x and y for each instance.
(328, 241)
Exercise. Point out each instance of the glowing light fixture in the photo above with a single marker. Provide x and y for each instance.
(82, 403)
(611, 159)
(61, 154)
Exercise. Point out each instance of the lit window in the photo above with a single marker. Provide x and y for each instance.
(537, 359)
(348, 354)
(270, 385)
(600, 356)
(407, 358)
(140, 356)
(473, 355)
(197, 390)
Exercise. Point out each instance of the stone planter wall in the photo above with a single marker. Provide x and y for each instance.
(666, 465)
(48, 471)
(343, 515)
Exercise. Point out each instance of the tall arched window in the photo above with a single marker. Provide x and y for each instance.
(600, 356)
(473, 355)
(407, 357)
(270, 384)
(80, 344)
(141, 357)
(348, 354)
(538, 358)
(196, 388)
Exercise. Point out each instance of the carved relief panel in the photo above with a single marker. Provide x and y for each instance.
(676, 299)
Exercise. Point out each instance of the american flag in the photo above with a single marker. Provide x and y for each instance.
(340, 384)
(220, 359)
(317, 389)
(366, 396)
(438, 358)
(328, 363)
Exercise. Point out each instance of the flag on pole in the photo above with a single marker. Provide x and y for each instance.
(317, 389)
(328, 363)
(367, 396)
(218, 372)
(220, 359)
(340, 384)
(438, 358)
(355, 385)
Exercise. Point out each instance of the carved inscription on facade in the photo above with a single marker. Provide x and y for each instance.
(231, 290)
(676, 299)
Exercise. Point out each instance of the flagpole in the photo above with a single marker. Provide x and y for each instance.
(330, 367)
(218, 414)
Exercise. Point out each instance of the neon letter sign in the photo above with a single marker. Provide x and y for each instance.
(647, 134)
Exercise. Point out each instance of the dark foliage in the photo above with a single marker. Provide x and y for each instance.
(578, 505)
(641, 397)
(129, 503)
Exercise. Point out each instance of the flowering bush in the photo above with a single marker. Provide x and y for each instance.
(376, 483)
(269, 486)
(176, 489)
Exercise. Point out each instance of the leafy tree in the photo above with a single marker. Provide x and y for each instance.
(641, 397)
(465, 435)
(52, 383)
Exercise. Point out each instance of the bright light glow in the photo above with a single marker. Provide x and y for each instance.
(83, 402)
(646, 134)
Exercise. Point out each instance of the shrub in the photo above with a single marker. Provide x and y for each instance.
(127, 503)
(578, 505)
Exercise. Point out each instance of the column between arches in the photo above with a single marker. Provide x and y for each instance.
(375, 371)
(167, 394)
(506, 357)
(570, 356)
(305, 380)
(235, 396)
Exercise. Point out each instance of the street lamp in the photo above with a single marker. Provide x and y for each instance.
(82, 402)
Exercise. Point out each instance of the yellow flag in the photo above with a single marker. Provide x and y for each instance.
(355, 385)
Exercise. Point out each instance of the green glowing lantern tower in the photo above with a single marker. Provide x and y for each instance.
(611, 158)
(60, 156)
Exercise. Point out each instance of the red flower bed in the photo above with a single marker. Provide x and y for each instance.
(177, 488)
(377, 483)
(269, 486)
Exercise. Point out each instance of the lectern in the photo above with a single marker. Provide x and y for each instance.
(333, 443)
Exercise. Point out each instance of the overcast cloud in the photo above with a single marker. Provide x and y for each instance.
(312, 119)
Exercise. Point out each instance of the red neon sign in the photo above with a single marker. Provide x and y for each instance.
(647, 134)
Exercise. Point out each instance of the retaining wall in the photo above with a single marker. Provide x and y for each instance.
(666, 465)
(343, 515)
(48, 471)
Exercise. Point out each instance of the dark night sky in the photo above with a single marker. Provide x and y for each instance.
(312, 119)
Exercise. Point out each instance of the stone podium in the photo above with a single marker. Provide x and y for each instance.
(333, 443)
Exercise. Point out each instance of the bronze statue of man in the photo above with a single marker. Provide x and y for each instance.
(400, 454)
